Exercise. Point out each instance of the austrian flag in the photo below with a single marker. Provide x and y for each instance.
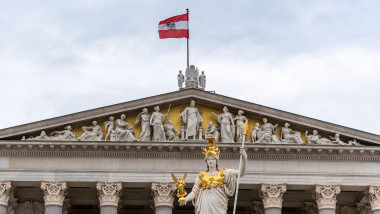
(174, 27)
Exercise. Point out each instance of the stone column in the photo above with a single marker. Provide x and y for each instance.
(373, 196)
(5, 194)
(54, 195)
(310, 208)
(271, 194)
(163, 196)
(325, 196)
(363, 208)
(109, 194)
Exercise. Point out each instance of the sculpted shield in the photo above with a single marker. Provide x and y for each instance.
(192, 74)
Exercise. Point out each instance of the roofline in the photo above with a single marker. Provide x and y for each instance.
(202, 97)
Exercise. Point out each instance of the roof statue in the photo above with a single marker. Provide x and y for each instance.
(192, 78)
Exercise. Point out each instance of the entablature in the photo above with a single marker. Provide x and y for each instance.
(188, 149)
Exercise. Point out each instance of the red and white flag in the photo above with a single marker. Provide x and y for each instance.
(174, 27)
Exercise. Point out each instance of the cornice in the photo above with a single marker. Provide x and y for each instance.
(188, 149)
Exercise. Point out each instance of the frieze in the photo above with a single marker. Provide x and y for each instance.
(186, 149)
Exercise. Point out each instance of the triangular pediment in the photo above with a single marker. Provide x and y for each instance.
(206, 102)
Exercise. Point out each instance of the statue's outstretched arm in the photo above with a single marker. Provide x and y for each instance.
(243, 166)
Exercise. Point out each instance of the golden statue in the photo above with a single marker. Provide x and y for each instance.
(181, 192)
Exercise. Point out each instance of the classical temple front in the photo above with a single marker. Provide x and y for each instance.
(119, 158)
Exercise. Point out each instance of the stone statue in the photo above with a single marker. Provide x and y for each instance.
(212, 132)
(43, 136)
(192, 119)
(315, 138)
(336, 139)
(66, 134)
(145, 125)
(123, 131)
(267, 133)
(92, 133)
(213, 187)
(192, 74)
(227, 126)
(290, 136)
(354, 142)
(255, 131)
(202, 80)
(180, 79)
(108, 125)
(171, 131)
(240, 121)
(156, 121)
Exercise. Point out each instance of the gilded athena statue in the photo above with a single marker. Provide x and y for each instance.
(213, 187)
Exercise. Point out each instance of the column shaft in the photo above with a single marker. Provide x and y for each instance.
(164, 210)
(53, 209)
(327, 211)
(273, 210)
(108, 209)
(375, 211)
(3, 209)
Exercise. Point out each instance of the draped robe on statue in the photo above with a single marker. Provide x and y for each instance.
(192, 118)
(213, 199)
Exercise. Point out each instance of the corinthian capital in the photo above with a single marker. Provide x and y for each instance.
(54, 192)
(5, 192)
(271, 194)
(325, 196)
(109, 193)
(163, 193)
(373, 196)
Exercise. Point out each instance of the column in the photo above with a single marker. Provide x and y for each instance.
(325, 196)
(373, 196)
(5, 194)
(109, 194)
(66, 208)
(363, 208)
(257, 207)
(54, 195)
(271, 194)
(163, 196)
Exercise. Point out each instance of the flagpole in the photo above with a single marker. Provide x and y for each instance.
(187, 11)
(238, 179)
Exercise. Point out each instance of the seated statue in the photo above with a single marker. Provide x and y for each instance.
(212, 132)
(171, 132)
(315, 138)
(66, 134)
(123, 131)
(92, 133)
(289, 136)
(266, 134)
(337, 140)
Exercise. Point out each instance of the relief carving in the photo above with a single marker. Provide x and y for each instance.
(163, 193)
(373, 196)
(5, 192)
(54, 192)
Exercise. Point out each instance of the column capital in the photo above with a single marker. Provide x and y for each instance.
(5, 192)
(109, 193)
(363, 208)
(271, 194)
(163, 193)
(54, 192)
(373, 196)
(310, 208)
(325, 196)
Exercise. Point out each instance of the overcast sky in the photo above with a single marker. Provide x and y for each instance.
(319, 59)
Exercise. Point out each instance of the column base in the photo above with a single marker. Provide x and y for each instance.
(164, 210)
(327, 211)
(53, 209)
(272, 210)
(108, 209)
